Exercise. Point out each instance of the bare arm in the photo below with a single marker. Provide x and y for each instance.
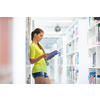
(32, 61)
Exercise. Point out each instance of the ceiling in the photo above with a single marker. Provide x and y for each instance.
(50, 35)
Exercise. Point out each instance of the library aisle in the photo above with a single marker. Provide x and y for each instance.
(78, 60)
(77, 40)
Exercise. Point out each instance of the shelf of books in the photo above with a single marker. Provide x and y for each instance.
(76, 52)
(61, 47)
(55, 65)
(28, 65)
(94, 53)
(51, 69)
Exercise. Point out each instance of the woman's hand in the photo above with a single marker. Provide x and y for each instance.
(46, 55)
(50, 58)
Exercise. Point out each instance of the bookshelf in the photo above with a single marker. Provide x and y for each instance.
(61, 46)
(51, 69)
(28, 42)
(93, 41)
(55, 64)
(76, 53)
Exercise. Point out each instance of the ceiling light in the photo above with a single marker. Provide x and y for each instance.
(60, 21)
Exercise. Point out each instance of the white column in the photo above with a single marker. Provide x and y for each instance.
(19, 50)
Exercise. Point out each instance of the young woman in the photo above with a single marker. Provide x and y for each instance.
(37, 57)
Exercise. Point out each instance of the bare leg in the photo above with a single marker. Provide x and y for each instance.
(47, 80)
(39, 80)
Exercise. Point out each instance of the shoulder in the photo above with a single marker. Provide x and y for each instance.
(32, 46)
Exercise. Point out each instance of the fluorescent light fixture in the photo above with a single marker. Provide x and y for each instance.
(60, 21)
(57, 33)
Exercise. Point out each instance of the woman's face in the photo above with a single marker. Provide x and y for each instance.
(39, 36)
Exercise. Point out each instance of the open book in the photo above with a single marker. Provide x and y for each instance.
(55, 52)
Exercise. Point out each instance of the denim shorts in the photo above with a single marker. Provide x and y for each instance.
(39, 74)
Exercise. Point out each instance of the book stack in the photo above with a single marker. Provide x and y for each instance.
(73, 32)
(92, 78)
(92, 21)
(76, 58)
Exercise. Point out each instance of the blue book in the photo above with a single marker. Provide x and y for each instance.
(89, 21)
(52, 54)
(77, 57)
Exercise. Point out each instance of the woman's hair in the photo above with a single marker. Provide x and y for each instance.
(37, 31)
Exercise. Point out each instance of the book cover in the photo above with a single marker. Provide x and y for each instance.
(52, 54)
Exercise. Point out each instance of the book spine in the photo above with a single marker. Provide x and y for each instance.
(95, 59)
(98, 32)
(89, 21)
(77, 31)
(91, 79)
(94, 80)
(77, 57)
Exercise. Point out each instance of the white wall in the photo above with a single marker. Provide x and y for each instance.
(19, 50)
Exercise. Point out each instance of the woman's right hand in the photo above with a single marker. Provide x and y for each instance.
(46, 55)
